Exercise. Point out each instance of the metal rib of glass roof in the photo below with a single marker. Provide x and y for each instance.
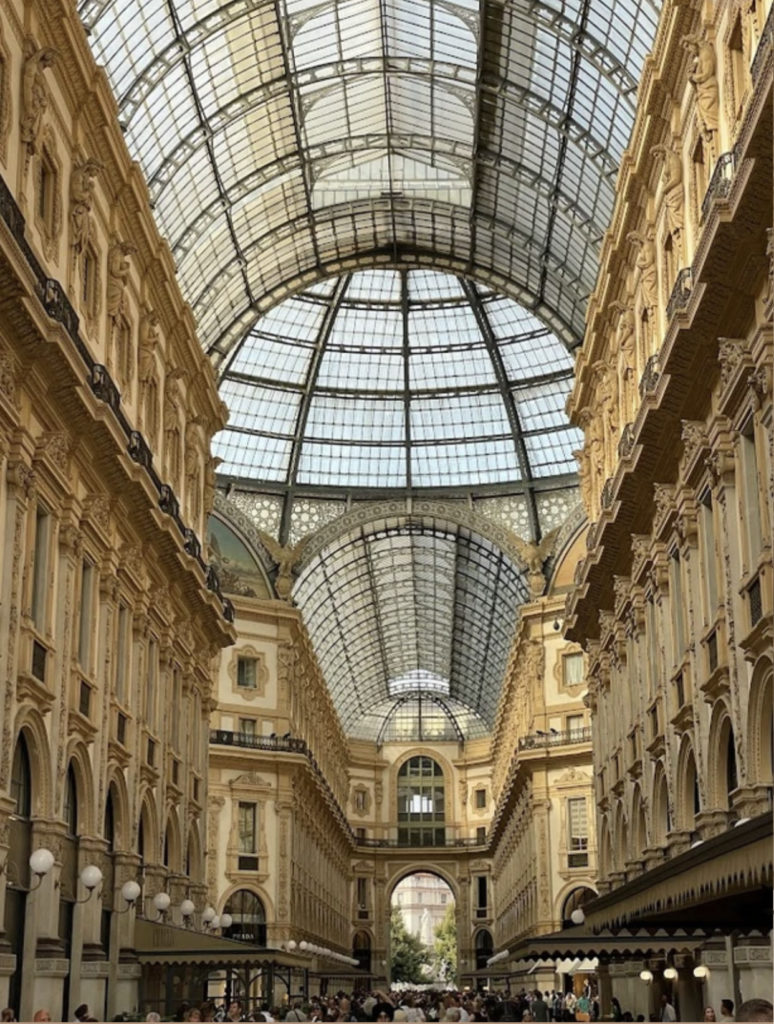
(397, 379)
(283, 140)
(412, 620)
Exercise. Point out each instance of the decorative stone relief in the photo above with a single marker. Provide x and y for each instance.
(55, 446)
(285, 558)
(731, 352)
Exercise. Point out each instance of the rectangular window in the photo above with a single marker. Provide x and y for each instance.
(89, 281)
(751, 509)
(578, 833)
(678, 612)
(177, 706)
(84, 700)
(709, 573)
(247, 673)
(481, 836)
(248, 728)
(480, 798)
(481, 892)
(653, 659)
(40, 568)
(151, 679)
(362, 893)
(360, 833)
(85, 628)
(574, 726)
(248, 838)
(572, 669)
(122, 654)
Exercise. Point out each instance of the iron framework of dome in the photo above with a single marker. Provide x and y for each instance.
(287, 140)
(398, 381)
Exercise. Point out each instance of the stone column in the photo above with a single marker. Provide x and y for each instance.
(689, 993)
(605, 988)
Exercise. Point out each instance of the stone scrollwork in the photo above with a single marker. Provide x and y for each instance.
(694, 437)
(731, 353)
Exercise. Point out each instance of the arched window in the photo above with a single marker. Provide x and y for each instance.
(21, 780)
(421, 813)
(248, 918)
(484, 948)
(732, 776)
(576, 900)
(108, 882)
(361, 950)
(70, 805)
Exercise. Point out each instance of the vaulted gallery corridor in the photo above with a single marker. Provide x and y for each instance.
(386, 486)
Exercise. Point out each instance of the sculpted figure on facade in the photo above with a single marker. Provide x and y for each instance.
(674, 198)
(34, 92)
(118, 274)
(647, 285)
(534, 556)
(607, 386)
(210, 468)
(171, 400)
(285, 558)
(191, 447)
(703, 77)
(626, 360)
(82, 185)
(149, 342)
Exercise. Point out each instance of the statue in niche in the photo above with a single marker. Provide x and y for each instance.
(118, 274)
(191, 447)
(149, 342)
(703, 77)
(626, 359)
(674, 198)
(210, 467)
(82, 185)
(34, 92)
(582, 458)
(608, 394)
(646, 264)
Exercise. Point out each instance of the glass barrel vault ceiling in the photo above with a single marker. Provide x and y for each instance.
(285, 140)
(397, 379)
(412, 621)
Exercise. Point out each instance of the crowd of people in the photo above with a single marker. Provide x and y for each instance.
(433, 1006)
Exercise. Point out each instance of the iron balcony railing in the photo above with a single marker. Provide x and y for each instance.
(227, 738)
(555, 738)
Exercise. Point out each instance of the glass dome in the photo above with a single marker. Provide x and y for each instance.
(388, 379)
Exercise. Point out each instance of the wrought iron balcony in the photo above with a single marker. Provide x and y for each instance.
(555, 738)
(720, 182)
(650, 375)
(227, 738)
(681, 292)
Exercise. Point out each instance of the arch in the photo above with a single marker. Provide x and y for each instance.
(30, 724)
(687, 799)
(258, 890)
(148, 839)
(172, 853)
(80, 763)
(420, 867)
(661, 819)
(117, 789)
(575, 899)
(194, 861)
(638, 830)
(248, 914)
(760, 724)
(722, 765)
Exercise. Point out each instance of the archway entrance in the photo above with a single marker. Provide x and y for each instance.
(423, 931)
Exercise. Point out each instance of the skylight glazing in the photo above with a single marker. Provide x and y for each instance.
(411, 620)
(397, 379)
(281, 138)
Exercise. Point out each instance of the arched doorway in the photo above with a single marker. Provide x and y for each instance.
(248, 918)
(423, 930)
